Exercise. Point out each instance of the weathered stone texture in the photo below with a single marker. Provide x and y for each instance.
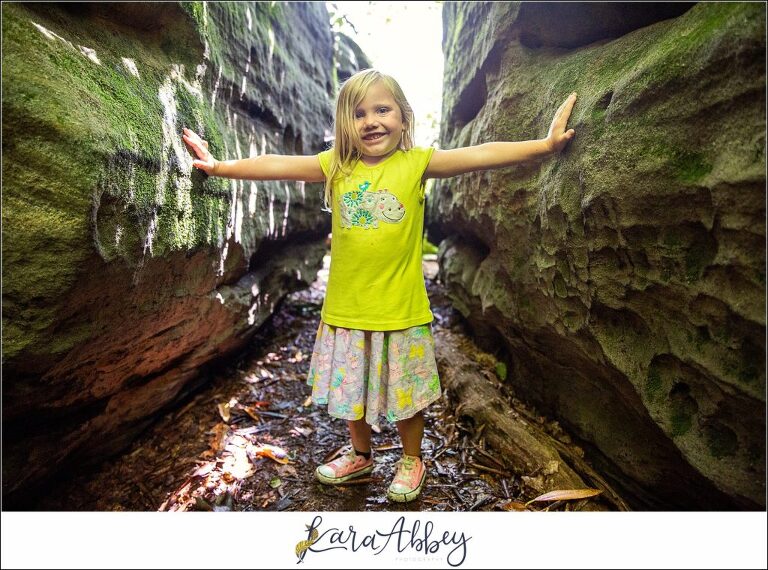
(625, 279)
(125, 273)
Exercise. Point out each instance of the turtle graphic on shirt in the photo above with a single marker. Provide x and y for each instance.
(365, 209)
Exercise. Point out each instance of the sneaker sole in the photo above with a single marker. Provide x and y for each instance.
(336, 480)
(411, 495)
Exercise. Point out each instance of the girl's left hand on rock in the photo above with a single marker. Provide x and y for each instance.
(558, 137)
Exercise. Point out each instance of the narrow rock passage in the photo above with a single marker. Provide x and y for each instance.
(251, 439)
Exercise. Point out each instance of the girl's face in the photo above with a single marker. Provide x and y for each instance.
(379, 124)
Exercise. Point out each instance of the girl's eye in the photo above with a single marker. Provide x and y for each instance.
(383, 110)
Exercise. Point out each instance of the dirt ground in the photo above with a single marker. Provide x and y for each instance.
(251, 439)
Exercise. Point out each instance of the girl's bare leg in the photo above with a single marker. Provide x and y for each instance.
(361, 435)
(411, 432)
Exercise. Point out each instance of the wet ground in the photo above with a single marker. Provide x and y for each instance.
(250, 441)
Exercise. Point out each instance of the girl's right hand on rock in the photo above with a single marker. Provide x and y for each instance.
(205, 161)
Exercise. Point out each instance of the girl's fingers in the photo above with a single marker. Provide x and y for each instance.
(199, 151)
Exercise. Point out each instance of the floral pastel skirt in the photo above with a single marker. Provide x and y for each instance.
(374, 373)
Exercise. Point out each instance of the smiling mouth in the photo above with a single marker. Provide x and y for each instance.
(373, 136)
(396, 217)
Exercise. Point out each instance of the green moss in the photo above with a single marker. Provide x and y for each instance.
(749, 375)
(653, 383)
(671, 237)
(720, 439)
(569, 199)
(690, 166)
(686, 166)
(197, 11)
(698, 256)
(572, 321)
(92, 135)
(701, 338)
(598, 122)
(682, 408)
(680, 422)
(63, 343)
(752, 363)
(561, 290)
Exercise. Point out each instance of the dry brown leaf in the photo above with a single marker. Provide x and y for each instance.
(272, 451)
(302, 431)
(566, 494)
(251, 412)
(286, 471)
(388, 447)
(224, 411)
(514, 506)
(204, 469)
(219, 432)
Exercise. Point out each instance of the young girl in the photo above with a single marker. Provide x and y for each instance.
(374, 352)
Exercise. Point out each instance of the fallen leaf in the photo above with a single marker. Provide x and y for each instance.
(388, 447)
(251, 412)
(204, 469)
(565, 494)
(302, 431)
(272, 451)
(219, 432)
(307, 402)
(514, 506)
(224, 411)
(287, 471)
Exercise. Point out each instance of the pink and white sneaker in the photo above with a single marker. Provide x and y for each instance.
(348, 466)
(408, 481)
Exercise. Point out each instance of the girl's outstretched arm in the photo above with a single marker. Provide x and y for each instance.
(264, 167)
(446, 163)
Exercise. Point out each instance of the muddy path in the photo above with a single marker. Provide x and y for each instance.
(251, 439)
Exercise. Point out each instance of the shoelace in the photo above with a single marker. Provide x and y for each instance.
(345, 457)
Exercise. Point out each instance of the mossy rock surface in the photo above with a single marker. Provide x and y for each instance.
(125, 271)
(630, 270)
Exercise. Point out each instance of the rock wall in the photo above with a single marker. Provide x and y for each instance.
(125, 273)
(624, 281)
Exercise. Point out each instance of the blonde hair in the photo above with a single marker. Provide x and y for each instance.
(347, 145)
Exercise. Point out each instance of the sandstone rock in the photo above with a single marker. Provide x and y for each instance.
(126, 273)
(625, 280)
